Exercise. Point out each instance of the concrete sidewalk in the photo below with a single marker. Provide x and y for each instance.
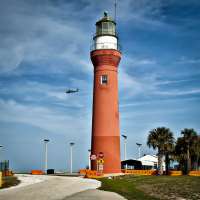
(52, 188)
(95, 195)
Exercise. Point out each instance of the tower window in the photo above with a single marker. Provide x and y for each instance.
(104, 79)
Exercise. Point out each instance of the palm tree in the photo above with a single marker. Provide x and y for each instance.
(180, 154)
(189, 136)
(162, 139)
(168, 152)
(196, 151)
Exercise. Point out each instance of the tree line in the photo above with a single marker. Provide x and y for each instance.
(185, 150)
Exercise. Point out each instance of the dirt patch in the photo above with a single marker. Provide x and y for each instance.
(9, 181)
(170, 192)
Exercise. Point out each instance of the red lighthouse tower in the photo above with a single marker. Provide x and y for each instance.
(105, 56)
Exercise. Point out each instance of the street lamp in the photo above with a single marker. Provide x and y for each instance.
(89, 153)
(46, 156)
(71, 145)
(139, 148)
(125, 140)
(1, 147)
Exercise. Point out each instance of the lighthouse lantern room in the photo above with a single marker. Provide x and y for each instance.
(105, 37)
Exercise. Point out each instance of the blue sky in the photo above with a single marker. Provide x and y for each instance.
(45, 48)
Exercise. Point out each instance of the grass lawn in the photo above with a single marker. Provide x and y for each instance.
(154, 187)
(9, 181)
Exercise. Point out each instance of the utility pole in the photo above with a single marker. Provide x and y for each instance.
(71, 156)
(89, 161)
(1, 147)
(125, 140)
(46, 155)
(139, 149)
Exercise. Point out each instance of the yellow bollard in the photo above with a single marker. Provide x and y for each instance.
(1, 179)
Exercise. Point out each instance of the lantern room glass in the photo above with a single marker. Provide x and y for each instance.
(105, 28)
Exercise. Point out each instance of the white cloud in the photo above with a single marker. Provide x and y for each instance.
(129, 61)
(45, 118)
(37, 37)
(10, 58)
(132, 85)
(149, 102)
(37, 92)
(128, 82)
(142, 13)
(179, 92)
(186, 60)
(168, 82)
(51, 34)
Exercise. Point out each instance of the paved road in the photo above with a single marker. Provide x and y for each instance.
(58, 188)
(49, 189)
(95, 195)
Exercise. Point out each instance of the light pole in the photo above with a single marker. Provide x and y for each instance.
(46, 156)
(139, 148)
(125, 140)
(89, 153)
(71, 145)
(1, 147)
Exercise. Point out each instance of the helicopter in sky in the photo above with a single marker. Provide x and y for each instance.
(72, 91)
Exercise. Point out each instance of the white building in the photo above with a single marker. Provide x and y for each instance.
(150, 162)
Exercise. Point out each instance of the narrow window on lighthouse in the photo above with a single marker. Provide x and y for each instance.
(104, 79)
